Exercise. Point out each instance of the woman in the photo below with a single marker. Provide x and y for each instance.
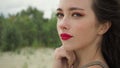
(90, 34)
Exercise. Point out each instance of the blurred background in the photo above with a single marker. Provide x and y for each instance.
(28, 34)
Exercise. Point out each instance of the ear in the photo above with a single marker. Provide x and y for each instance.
(103, 28)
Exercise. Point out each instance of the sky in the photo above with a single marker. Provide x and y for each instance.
(14, 6)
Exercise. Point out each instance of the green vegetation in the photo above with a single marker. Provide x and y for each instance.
(27, 28)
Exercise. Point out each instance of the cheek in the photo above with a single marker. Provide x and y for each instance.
(58, 28)
(85, 29)
(85, 34)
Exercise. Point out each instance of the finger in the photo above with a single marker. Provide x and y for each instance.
(68, 56)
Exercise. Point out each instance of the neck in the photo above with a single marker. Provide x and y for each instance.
(88, 54)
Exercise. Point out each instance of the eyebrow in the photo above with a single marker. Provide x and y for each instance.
(71, 9)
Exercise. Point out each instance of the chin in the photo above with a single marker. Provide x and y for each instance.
(69, 47)
(72, 47)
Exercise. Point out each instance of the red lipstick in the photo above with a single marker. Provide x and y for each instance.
(65, 36)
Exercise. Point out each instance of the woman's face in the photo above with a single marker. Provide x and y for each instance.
(77, 25)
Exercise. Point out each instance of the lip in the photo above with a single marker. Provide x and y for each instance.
(65, 36)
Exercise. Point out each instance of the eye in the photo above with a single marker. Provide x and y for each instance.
(77, 14)
(59, 15)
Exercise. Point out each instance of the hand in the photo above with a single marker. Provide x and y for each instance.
(63, 58)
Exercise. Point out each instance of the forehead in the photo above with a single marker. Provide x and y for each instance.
(84, 4)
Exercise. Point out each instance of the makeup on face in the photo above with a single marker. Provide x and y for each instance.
(65, 36)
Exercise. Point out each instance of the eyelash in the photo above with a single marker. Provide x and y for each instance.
(59, 15)
(75, 14)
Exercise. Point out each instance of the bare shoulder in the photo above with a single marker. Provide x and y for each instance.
(95, 66)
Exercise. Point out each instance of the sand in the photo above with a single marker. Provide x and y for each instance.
(27, 58)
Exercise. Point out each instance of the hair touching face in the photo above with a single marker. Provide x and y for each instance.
(81, 25)
(109, 11)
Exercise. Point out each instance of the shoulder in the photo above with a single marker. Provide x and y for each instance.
(95, 66)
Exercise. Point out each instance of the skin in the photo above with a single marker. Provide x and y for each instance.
(77, 18)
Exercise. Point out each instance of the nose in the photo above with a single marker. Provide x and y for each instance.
(64, 24)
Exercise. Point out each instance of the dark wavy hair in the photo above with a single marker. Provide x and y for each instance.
(109, 11)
